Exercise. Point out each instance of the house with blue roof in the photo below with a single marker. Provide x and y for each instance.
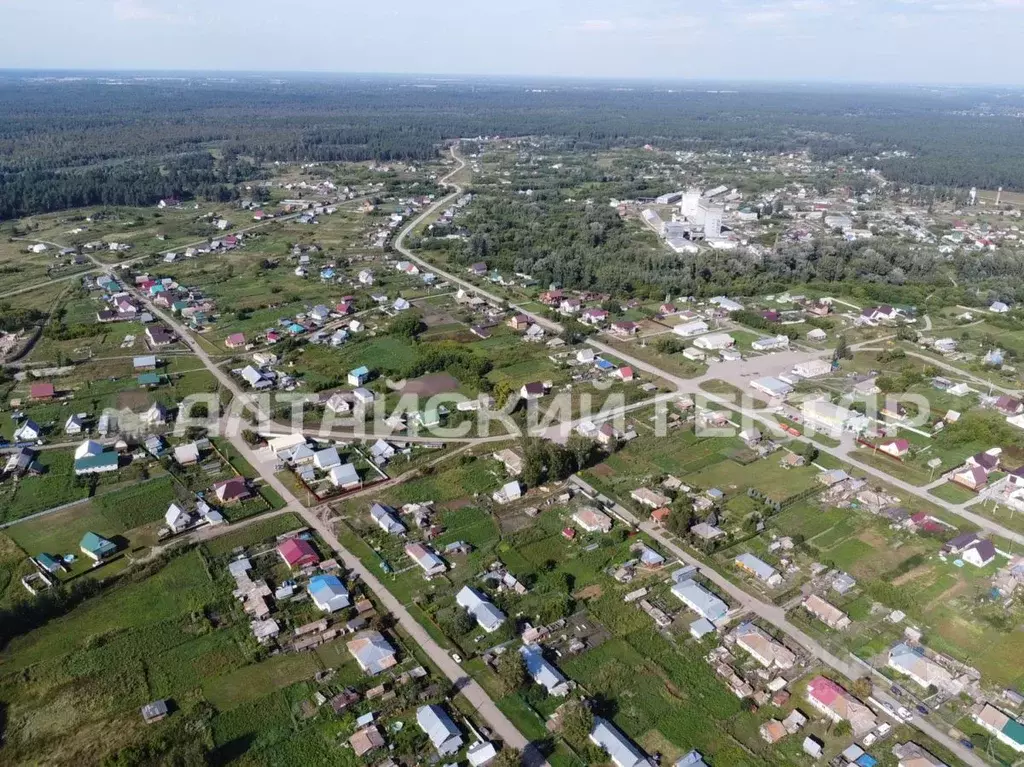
(328, 593)
(359, 376)
(96, 547)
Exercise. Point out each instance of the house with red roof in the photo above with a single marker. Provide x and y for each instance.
(41, 391)
(835, 703)
(660, 516)
(625, 373)
(897, 448)
(235, 341)
(926, 523)
(297, 552)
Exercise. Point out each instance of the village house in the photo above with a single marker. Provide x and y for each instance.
(518, 322)
(625, 329)
(897, 448)
(827, 613)
(233, 490)
(924, 671)
(592, 520)
(650, 498)
(440, 729)
(1005, 728)
(759, 569)
(542, 672)
(372, 652)
(428, 561)
(836, 704)
(760, 646)
(298, 553)
(488, 617)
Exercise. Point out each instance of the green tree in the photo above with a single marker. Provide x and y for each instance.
(577, 722)
(405, 325)
(862, 688)
(842, 729)
(582, 449)
(511, 671)
(842, 351)
(508, 757)
(534, 456)
(810, 453)
(680, 520)
(455, 621)
(560, 461)
(503, 391)
(906, 333)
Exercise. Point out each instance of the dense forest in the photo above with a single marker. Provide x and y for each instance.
(590, 247)
(65, 143)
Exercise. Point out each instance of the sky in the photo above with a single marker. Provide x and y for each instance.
(884, 41)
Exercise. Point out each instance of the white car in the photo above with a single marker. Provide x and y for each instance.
(905, 714)
(869, 739)
(883, 729)
(456, 657)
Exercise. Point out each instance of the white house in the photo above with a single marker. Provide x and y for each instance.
(487, 616)
(512, 491)
(176, 518)
(29, 431)
(75, 424)
(812, 369)
(344, 476)
(714, 342)
(778, 343)
(688, 329)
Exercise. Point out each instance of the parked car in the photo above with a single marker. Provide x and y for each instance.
(966, 744)
(922, 710)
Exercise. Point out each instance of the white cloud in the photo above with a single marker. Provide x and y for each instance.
(136, 10)
(595, 25)
(767, 17)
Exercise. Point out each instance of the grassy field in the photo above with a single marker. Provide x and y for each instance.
(953, 493)
(126, 516)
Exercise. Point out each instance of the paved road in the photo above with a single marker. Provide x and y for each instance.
(737, 374)
(474, 693)
(488, 711)
(769, 612)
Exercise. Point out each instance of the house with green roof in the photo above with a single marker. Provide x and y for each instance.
(149, 379)
(52, 565)
(97, 464)
(1006, 729)
(96, 547)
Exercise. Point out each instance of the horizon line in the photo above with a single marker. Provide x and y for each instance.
(469, 77)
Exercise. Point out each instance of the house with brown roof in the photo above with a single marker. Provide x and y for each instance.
(972, 477)
(232, 490)
(41, 392)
